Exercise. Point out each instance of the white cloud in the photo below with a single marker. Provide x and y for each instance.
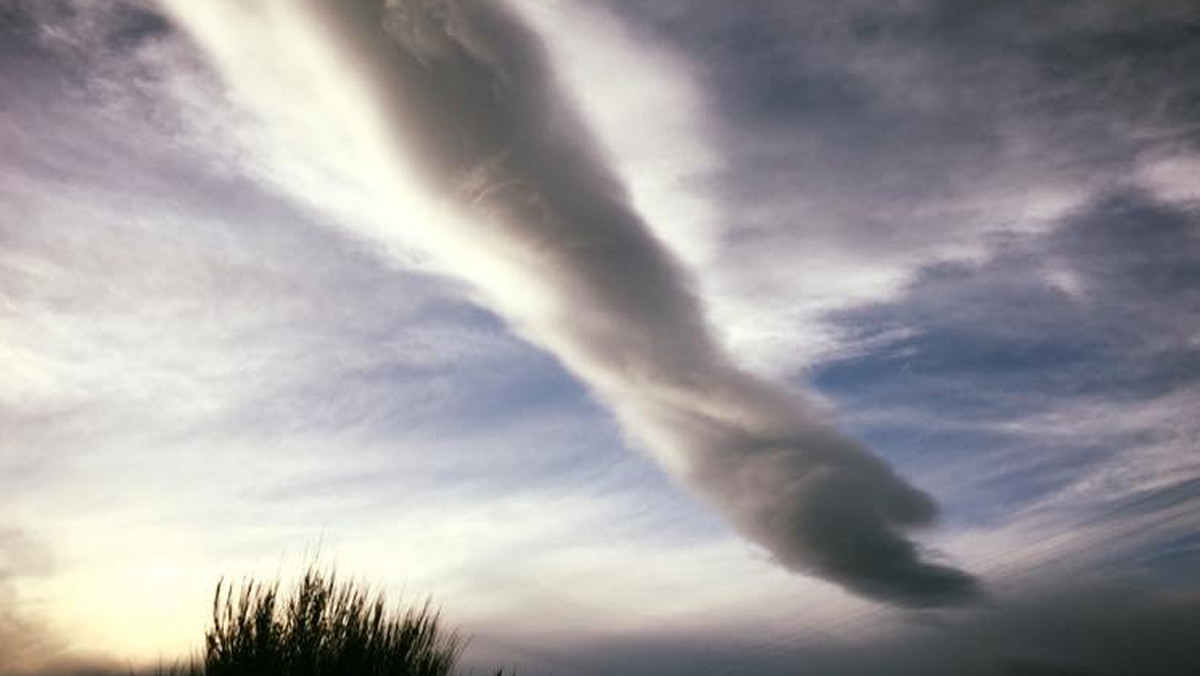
(1173, 177)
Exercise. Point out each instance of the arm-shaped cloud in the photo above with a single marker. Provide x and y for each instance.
(470, 105)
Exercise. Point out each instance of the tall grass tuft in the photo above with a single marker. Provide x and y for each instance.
(326, 627)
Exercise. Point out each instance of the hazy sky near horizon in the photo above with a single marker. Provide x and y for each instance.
(780, 337)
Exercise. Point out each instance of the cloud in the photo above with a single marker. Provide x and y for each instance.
(1066, 362)
(463, 101)
(1010, 285)
(863, 142)
(1115, 628)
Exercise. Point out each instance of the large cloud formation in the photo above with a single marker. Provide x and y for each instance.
(465, 101)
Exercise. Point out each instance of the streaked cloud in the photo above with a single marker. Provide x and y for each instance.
(466, 92)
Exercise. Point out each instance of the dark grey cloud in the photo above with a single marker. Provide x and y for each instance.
(1114, 282)
(473, 100)
(1137, 262)
(1066, 362)
(905, 132)
(1115, 628)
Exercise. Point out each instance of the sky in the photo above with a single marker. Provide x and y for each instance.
(781, 337)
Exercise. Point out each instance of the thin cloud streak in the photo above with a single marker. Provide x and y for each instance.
(465, 106)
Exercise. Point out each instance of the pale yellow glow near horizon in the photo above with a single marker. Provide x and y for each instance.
(141, 593)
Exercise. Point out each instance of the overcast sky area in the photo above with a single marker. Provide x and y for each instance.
(781, 337)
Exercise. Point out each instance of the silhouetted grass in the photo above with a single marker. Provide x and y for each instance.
(325, 627)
